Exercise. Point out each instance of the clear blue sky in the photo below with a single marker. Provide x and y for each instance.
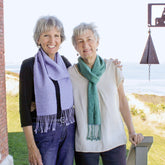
(122, 26)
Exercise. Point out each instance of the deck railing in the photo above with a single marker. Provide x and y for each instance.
(138, 155)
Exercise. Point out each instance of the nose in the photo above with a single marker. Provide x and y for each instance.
(52, 39)
(85, 44)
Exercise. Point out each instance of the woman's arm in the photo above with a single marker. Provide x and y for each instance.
(26, 91)
(25, 99)
(34, 154)
(125, 111)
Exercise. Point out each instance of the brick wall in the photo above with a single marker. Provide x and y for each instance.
(3, 117)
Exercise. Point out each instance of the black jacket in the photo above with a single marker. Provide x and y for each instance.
(26, 91)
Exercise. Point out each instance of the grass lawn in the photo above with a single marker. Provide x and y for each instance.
(16, 138)
(17, 143)
(17, 148)
(157, 151)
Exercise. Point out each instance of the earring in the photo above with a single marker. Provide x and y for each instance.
(96, 49)
(39, 46)
(77, 54)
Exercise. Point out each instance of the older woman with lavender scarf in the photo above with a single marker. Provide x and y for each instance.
(100, 101)
(46, 98)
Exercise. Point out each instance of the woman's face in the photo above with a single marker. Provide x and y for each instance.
(50, 42)
(86, 45)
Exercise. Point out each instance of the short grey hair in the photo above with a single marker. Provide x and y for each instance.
(46, 23)
(81, 28)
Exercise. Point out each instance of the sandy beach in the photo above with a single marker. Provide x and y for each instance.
(134, 102)
(12, 84)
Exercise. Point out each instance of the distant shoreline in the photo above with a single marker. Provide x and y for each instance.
(12, 82)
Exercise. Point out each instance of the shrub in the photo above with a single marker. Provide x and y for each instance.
(156, 108)
(142, 114)
(134, 111)
(138, 112)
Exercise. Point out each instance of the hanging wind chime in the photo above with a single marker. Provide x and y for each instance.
(149, 55)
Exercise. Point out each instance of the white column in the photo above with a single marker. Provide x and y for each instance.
(8, 161)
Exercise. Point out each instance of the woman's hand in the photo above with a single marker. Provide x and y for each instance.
(136, 138)
(34, 156)
(117, 63)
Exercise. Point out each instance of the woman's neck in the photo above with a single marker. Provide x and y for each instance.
(52, 57)
(90, 61)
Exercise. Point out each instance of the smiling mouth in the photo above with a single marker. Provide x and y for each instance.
(86, 51)
(53, 46)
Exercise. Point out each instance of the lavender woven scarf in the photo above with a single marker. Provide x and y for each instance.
(46, 70)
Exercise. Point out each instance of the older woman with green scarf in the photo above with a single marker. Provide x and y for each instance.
(100, 102)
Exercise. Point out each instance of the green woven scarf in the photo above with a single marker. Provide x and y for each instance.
(93, 75)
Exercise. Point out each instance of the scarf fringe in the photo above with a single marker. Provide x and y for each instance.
(48, 123)
(94, 132)
(68, 116)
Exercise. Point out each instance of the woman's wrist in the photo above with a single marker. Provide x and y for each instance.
(31, 146)
(132, 133)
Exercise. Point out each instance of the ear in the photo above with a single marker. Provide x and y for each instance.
(38, 43)
(97, 42)
(75, 46)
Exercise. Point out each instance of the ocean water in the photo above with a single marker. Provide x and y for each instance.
(136, 78)
(13, 68)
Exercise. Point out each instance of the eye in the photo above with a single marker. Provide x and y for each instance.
(80, 41)
(57, 36)
(45, 35)
(90, 39)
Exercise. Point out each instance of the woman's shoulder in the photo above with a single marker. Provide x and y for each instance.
(109, 63)
(27, 64)
(66, 61)
(28, 61)
(72, 69)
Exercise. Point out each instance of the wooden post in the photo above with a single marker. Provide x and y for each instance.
(139, 155)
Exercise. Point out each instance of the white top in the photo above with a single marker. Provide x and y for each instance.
(112, 128)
